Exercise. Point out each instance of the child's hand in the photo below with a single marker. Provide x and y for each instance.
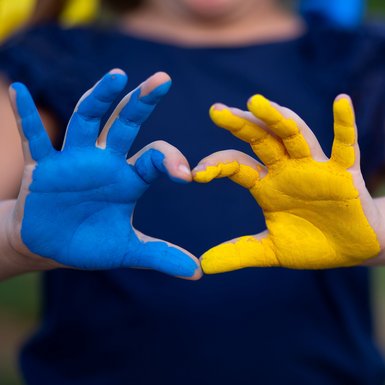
(318, 211)
(75, 205)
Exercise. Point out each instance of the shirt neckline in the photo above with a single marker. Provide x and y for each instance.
(115, 30)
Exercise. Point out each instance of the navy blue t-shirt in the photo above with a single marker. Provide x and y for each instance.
(255, 326)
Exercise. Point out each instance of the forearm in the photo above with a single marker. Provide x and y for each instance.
(14, 262)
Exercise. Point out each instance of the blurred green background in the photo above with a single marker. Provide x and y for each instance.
(19, 297)
(376, 6)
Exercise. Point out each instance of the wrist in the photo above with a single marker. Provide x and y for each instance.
(15, 257)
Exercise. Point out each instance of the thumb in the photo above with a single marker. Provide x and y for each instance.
(248, 251)
(156, 254)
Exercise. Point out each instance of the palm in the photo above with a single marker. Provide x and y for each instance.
(89, 202)
(313, 216)
(89, 172)
(78, 208)
(314, 210)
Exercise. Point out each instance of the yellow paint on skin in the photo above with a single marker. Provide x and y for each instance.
(344, 137)
(244, 175)
(217, 171)
(313, 211)
(270, 150)
(238, 255)
(287, 129)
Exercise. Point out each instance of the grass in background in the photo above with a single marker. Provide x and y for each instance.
(376, 7)
(19, 304)
(378, 283)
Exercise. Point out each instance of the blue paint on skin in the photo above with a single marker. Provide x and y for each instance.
(150, 164)
(124, 130)
(81, 200)
(157, 93)
(39, 142)
(84, 125)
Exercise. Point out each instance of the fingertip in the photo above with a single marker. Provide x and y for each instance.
(219, 259)
(226, 117)
(117, 78)
(214, 111)
(160, 77)
(257, 100)
(175, 163)
(343, 101)
(343, 110)
(343, 96)
(17, 86)
(207, 266)
(12, 91)
(198, 177)
(265, 110)
(117, 71)
(165, 257)
(192, 273)
(218, 107)
(155, 87)
(197, 275)
(184, 173)
(204, 173)
(21, 98)
(199, 167)
(182, 264)
(154, 95)
(201, 177)
(17, 89)
(257, 104)
(180, 173)
(105, 90)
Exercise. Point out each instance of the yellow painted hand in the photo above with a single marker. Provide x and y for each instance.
(318, 211)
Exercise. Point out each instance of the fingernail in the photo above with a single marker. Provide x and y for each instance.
(200, 167)
(218, 107)
(117, 71)
(184, 169)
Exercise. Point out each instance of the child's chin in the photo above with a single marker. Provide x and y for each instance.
(211, 9)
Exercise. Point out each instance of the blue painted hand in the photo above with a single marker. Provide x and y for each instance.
(76, 205)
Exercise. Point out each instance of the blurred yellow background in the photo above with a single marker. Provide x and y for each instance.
(19, 297)
(13, 13)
